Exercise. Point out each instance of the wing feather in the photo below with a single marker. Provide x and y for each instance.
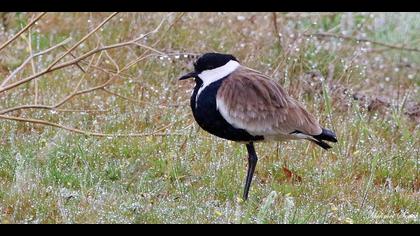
(249, 100)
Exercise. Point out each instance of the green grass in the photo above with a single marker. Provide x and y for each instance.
(48, 175)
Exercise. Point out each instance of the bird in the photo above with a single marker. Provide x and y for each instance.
(237, 103)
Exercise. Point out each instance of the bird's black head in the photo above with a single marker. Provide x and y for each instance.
(209, 61)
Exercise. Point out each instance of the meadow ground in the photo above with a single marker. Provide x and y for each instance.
(167, 170)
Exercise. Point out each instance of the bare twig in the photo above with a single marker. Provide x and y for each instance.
(27, 60)
(74, 57)
(82, 40)
(53, 66)
(154, 44)
(141, 102)
(82, 111)
(76, 89)
(23, 107)
(63, 65)
(45, 107)
(76, 92)
(87, 133)
(330, 35)
(150, 48)
(22, 31)
(296, 15)
(78, 59)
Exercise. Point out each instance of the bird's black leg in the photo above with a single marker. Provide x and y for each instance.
(252, 162)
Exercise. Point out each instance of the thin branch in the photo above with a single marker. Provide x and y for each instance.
(52, 66)
(121, 96)
(23, 107)
(70, 63)
(80, 110)
(117, 67)
(122, 73)
(62, 65)
(32, 57)
(74, 93)
(154, 44)
(56, 66)
(84, 56)
(82, 40)
(87, 133)
(308, 15)
(53, 107)
(44, 107)
(103, 86)
(150, 48)
(330, 35)
(74, 57)
(141, 102)
(157, 28)
(22, 31)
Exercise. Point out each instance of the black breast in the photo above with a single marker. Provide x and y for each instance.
(209, 118)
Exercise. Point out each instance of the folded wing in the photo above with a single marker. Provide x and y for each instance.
(249, 100)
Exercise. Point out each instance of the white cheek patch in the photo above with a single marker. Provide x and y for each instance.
(210, 76)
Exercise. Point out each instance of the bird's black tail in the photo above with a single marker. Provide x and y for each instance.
(326, 135)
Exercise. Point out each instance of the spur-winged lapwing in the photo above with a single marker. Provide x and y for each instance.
(240, 104)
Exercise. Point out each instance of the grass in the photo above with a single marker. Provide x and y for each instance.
(371, 175)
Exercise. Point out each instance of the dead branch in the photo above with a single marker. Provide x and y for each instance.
(330, 35)
(22, 31)
(142, 102)
(74, 57)
(45, 107)
(301, 15)
(87, 133)
(31, 57)
(75, 92)
(68, 98)
(78, 59)
(56, 65)
(64, 65)
(82, 111)
(82, 40)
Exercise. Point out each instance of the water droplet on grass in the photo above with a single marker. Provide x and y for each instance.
(240, 18)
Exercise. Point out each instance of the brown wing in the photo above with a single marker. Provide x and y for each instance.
(250, 100)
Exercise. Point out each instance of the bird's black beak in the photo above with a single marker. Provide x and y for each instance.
(189, 75)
